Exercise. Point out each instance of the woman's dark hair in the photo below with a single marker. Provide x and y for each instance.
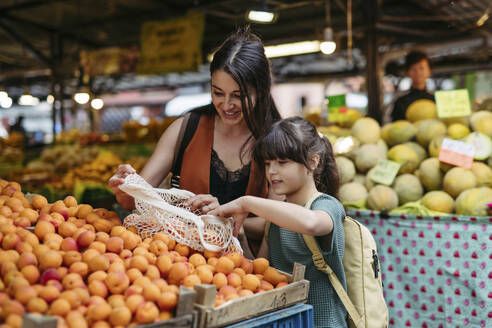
(296, 139)
(242, 56)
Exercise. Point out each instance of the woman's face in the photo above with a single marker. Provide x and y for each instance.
(226, 97)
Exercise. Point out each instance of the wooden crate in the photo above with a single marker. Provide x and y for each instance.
(250, 306)
(185, 315)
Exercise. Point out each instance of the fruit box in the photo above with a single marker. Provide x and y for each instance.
(185, 315)
(251, 306)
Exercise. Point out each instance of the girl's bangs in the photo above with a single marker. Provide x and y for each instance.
(277, 145)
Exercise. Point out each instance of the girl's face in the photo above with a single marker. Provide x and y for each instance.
(226, 97)
(286, 177)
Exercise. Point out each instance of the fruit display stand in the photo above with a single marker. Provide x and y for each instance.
(250, 306)
(435, 269)
(185, 315)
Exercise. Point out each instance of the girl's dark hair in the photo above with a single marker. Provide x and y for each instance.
(296, 139)
(242, 56)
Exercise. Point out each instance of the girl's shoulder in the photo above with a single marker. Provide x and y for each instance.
(328, 203)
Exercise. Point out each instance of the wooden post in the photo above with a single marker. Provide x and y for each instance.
(374, 72)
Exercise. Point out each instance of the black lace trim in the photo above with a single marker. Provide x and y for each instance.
(224, 174)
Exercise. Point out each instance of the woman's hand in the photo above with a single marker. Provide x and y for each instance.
(116, 180)
(234, 209)
(204, 203)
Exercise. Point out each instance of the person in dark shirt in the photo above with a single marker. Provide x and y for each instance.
(418, 69)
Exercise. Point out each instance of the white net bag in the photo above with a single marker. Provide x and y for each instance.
(162, 210)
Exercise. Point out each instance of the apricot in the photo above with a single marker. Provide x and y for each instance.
(10, 241)
(83, 294)
(130, 240)
(116, 300)
(15, 204)
(98, 288)
(99, 311)
(273, 276)
(72, 280)
(115, 245)
(191, 280)
(120, 316)
(22, 221)
(265, 285)
(102, 237)
(234, 280)
(244, 293)
(31, 239)
(219, 280)
(125, 254)
(60, 307)
(30, 273)
(5, 211)
(236, 258)
(151, 292)
(142, 281)
(251, 282)
(50, 259)
(133, 274)
(117, 282)
(152, 272)
(133, 302)
(132, 290)
(86, 238)
(75, 319)
(14, 321)
(205, 274)
(37, 305)
(117, 266)
(49, 293)
(38, 202)
(197, 259)
(42, 228)
(98, 263)
(240, 272)
(70, 201)
(167, 301)
(212, 261)
(89, 254)
(177, 272)
(80, 268)
(26, 259)
(260, 265)
(84, 211)
(139, 262)
(146, 313)
(224, 265)
(227, 290)
(72, 297)
(117, 231)
(71, 257)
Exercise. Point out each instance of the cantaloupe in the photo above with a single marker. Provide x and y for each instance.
(352, 192)
(452, 120)
(352, 115)
(483, 173)
(458, 131)
(369, 183)
(408, 188)
(382, 198)
(430, 174)
(368, 156)
(346, 169)
(421, 153)
(477, 117)
(359, 178)
(367, 130)
(435, 146)
(438, 201)
(485, 126)
(421, 109)
(406, 156)
(428, 130)
(399, 132)
(457, 180)
(474, 201)
(482, 143)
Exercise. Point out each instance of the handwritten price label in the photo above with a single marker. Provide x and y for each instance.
(385, 172)
(457, 153)
(453, 103)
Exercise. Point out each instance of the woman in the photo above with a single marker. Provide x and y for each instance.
(217, 163)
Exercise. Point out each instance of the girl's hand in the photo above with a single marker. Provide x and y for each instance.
(234, 209)
(205, 203)
(116, 180)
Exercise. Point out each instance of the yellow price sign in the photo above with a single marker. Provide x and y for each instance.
(385, 172)
(453, 103)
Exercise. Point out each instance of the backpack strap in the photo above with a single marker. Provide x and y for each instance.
(186, 133)
(322, 266)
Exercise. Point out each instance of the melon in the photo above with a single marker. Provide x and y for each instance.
(428, 130)
(458, 180)
(382, 198)
(408, 188)
(406, 156)
(352, 115)
(385, 131)
(346, 169)
(421, 153)
(482, 143)
(381, 144)
(352, 192)
(399, 132)
(458, 131)
(367, 130)
(474, 201)
(485, 126)
(438, 201)
(421, 109)
(483, 174)
(435, 146)
(368, 156)
(430, 174)
(346, 146)
(445, 167)
(452, 120)
(369, 183)
(477, 117)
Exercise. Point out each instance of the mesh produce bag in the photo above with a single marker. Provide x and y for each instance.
(162, 210)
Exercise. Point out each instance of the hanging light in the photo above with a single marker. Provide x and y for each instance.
(290, 49)
(97, 103)
(262, 14)
(81, 98)
(328, 46)
(50, 99)
(28, 100)
(6, 102)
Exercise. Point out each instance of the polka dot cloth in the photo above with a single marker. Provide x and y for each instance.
(436, 270)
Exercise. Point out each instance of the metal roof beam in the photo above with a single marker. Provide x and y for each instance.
(28, 5)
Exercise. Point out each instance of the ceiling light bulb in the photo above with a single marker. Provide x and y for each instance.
(50, 99)
(3, 94)
(261, 16)
(6, 102)
(28, 100)
(81, 97)
(328, 47)
(289, 49)
(97, 103)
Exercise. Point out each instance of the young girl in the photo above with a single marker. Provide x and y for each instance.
(299, 163)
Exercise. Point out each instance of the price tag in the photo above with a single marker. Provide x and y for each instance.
(385, 172)
(337, 108)
(457, 153)
(453, 103)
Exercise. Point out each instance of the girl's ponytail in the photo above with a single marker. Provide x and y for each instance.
(326, 174)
